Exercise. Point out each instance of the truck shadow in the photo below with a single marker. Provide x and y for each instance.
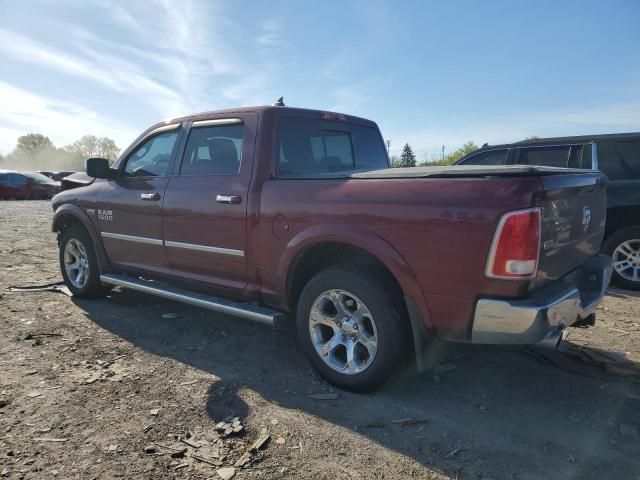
(621, 293)
(498, 412)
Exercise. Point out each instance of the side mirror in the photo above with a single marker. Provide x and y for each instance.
(99, 168)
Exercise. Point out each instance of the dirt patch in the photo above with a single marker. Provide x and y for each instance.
(113, 389)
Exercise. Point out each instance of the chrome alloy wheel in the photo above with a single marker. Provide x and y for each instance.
(343, 332)
(626, 260)
(76, 263)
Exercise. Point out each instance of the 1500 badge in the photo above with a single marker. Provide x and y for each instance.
(106, 215)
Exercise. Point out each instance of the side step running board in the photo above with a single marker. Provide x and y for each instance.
(244, 310)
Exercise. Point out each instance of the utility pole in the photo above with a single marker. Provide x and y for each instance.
(388, 146)
(443, 153)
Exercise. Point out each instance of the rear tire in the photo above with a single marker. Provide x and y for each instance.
(79, 264)
(624, 247)
(351, 328)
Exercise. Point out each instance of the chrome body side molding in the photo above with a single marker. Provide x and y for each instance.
(205, 248)
(169, 243)
(132, 238)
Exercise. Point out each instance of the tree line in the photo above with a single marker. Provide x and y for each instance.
(35, 151)
(408, 158)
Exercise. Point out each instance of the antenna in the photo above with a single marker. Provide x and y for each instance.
(279, 102)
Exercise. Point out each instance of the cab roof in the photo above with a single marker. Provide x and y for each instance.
(265, 109)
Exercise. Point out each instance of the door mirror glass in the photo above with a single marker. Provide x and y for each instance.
(99, 168)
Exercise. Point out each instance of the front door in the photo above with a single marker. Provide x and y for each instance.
(205, 206)
(129, 208)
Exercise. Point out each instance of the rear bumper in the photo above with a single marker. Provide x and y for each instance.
(547, 312)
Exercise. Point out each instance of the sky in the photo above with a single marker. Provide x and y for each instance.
(430, 73)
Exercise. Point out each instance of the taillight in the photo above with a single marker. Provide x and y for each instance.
(516, 245)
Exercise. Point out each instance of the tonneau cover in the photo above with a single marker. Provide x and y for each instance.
(461, 171)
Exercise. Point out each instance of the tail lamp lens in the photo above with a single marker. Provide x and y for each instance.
(516, 245)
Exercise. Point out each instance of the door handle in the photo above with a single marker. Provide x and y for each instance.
(150, 196)
(228, 199)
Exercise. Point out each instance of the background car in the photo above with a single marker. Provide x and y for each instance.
(46, 173)
(617, 155)
(60, 175)
(57, 176)
(27, 186)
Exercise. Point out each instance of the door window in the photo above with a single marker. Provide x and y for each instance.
(619, 160)
(213, 150)
(152, 157)
(610, 161)
(575, 156)
(630, 155)
(490, 157)
(17, 180)
(545, 156)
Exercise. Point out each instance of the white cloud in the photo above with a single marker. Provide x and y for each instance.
(270, 33)
(122, 16)
(349, 97)
(175, 57)
(191, 44)
(23, 112)
(107, 70)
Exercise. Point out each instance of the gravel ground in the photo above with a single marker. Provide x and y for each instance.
(87, 386)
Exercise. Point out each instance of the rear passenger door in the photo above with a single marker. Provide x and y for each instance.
(205, 205)
(620, 160)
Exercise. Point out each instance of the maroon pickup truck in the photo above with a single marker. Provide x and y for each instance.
(277, 213)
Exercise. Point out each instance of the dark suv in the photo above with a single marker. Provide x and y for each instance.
(617, 155)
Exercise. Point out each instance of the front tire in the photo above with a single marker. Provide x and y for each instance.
(79, 265)
(623, 246)
(350, 327)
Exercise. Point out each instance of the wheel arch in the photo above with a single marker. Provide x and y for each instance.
(325, 245)
(322, 246)
(68, 216)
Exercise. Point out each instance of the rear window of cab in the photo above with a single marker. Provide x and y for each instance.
(309, 146)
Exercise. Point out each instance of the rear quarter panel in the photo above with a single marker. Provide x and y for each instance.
(440, 228)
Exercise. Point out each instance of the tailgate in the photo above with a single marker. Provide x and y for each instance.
(573, 217)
